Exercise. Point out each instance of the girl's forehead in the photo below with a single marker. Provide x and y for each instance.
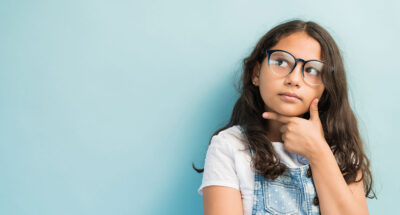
(301, 45)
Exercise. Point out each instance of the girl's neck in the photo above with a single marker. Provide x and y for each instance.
(273, 131)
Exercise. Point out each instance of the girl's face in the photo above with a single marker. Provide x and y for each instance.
(271, 86)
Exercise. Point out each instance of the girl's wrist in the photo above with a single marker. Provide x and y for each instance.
(320, 150)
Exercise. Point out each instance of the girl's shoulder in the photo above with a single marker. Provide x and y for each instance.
(235, 130)
(232, 138)
(226, 162)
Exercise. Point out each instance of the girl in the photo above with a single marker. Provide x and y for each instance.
(292, 145)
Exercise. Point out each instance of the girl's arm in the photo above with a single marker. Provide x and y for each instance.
(219, 200)
(334, 195)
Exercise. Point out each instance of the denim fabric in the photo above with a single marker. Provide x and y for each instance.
(291, 193)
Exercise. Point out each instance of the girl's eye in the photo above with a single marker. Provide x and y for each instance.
(279, 62)
(312, 71)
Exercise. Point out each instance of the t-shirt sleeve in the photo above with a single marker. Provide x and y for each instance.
(219, 165)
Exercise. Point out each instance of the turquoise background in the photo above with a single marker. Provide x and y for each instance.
(105, 104)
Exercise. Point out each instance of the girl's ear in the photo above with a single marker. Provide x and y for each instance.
(256, 74)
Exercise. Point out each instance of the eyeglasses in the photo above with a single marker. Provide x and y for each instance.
(283, 63)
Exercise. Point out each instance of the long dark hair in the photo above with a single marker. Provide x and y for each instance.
(337, 118)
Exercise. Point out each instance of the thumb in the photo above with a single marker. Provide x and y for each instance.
(314, 115)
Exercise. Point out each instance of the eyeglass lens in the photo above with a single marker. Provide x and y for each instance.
(282, 63)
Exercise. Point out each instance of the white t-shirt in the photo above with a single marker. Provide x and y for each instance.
(226, 165)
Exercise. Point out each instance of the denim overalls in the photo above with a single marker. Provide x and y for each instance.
(293, 192)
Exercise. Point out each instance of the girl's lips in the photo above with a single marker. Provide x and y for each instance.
(289, 98)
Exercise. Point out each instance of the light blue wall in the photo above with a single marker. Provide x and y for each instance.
(105, 104)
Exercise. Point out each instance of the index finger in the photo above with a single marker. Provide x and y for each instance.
(276, 116)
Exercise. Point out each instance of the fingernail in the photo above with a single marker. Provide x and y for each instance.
(265, 114)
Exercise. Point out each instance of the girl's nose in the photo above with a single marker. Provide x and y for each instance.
(295, 77)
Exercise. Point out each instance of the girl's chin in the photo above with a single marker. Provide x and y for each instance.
(287, 110)
(290, 112)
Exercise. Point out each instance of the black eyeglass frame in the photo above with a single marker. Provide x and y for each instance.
(270, 51)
